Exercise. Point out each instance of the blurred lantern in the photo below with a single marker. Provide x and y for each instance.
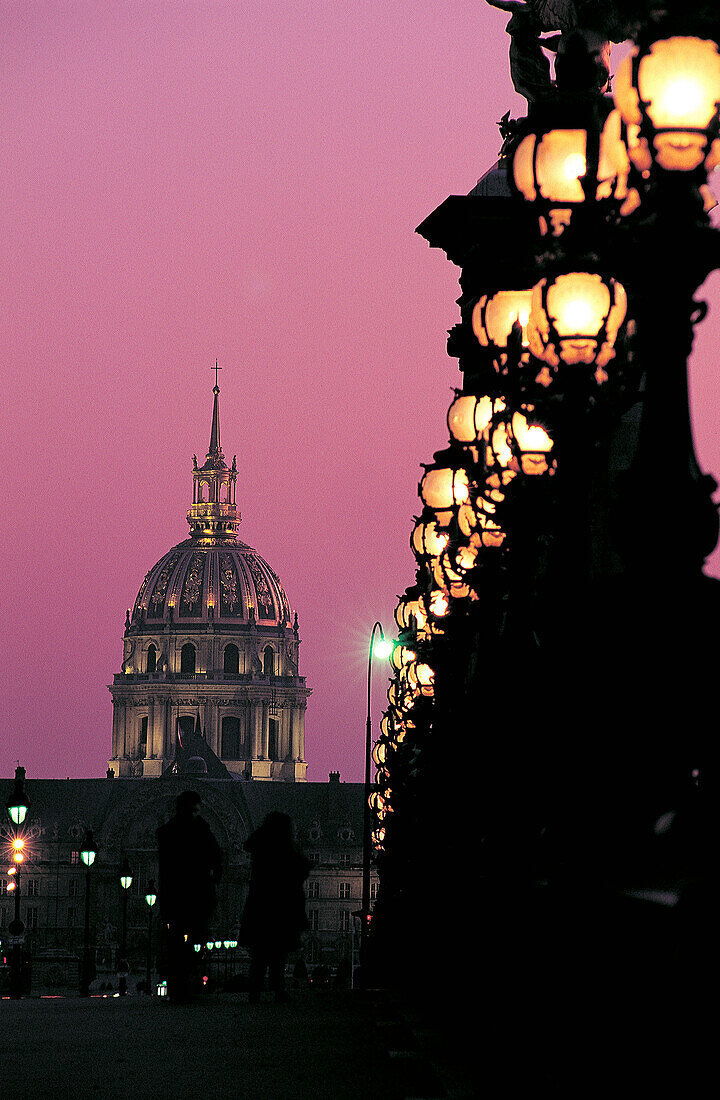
(401, 656)
(571, 152)
(575, 318)
(444, 485)
(494, 316)
(531, 442)
(409, 613)
(438, 603)
(668, 92)
(380, 754)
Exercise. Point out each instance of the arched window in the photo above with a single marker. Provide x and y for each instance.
(187, 660)
(231, 660)
(151, 662)
(223, 493)
(202, 492)
(231, 738)
(268, 661)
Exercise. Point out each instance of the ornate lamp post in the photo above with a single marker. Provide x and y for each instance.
(381, 649)
(541, 571)
(17, 806)
(123, 968)
(150, 898)
(88, 852)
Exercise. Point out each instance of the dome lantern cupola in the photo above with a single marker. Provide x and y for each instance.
(214, 513)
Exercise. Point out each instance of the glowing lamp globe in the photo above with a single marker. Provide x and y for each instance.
(151, 896)
(88, 850)
(570, 155)
(427, 540)
(532, 443)
(402, 656)
(126, 875)
(409, 613)
(469, 417)
(493, 317)
(669, 93)
(444, 485)
(17, 804)
(382, 648)
(575, 318)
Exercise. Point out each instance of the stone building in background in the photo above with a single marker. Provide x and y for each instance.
(208, 699)
(211, 646)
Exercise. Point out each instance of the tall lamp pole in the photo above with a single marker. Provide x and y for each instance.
(87, 855)
(150, 898)
(381, 648)
(17, 807)
(123, 968)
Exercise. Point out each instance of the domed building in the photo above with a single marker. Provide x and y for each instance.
(209, 680)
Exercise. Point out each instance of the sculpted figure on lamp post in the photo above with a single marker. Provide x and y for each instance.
(600, 22)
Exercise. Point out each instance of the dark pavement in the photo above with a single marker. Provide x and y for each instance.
(323, 1044)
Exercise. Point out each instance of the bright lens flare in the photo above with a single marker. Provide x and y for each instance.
(682, 97)
(579, 316)
(382, 648)
(575, 166)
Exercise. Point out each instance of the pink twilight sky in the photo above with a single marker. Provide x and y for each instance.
(186, 180)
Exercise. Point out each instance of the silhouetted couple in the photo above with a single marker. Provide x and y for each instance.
(190, 863)
(274, 915)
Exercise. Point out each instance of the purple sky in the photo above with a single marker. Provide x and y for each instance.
(186, 180)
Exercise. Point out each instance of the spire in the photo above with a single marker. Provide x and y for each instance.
(215, 451)
(214, 513)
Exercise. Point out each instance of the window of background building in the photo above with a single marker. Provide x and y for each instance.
(3, 887)
(272, 738)
(142, 742)
(187, 725)
(313, 889)
(345, 920)
(151, 665)
(344, 889)
(31, 917)
(373, 890)
(231, 660)
(3, 917)
(231, 738)
(74, 887)
(75, 857)
(313, 857)
(33, 887)
(314, 918)
(187, 659)
(71, 916)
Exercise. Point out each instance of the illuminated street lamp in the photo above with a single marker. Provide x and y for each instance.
(668, 91)
(17, 807)
(88, 853)
(150, 898)
(123, 968)
(17, 804)
(382, 648)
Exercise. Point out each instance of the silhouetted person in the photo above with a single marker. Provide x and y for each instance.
(190, 868)
(274, 913)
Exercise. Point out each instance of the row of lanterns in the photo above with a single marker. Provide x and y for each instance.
(570, 156)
